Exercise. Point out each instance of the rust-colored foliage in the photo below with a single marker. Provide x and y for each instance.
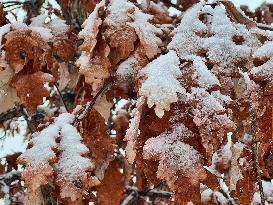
(166, 109)
(96, 138)
(3, 19)
(31, 90)
(112, 188)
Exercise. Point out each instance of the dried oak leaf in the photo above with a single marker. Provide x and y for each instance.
(112, 188)
(8, 96)
(242, 175)
(90, 30)
(24, 46)
(147, 32)
(64, 46)
(132, 131)
(263, 14)
(96, 138)
(159, 11)
(30, 88)
(118, 34)
(89, 5)
(39, 158)
(264, 124)
(178, 162)
(72, 167)
(211, 118)
(3, 20)
(128, 69)
(95, 68)
(150, 126)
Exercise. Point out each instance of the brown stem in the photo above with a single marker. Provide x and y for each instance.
(88, 106)
(61, 96)
(255, 152)
(30, 125)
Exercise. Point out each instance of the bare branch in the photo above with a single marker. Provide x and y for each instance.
(12, 113)
(255, 152)
(30, 125)
(61, 97)
(134, 194)
(88, 106)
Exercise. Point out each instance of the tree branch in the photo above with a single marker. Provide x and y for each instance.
(61, 97)
(88, 106)
(255, 152)
(30, 125)
(12, 113)
(134, 194)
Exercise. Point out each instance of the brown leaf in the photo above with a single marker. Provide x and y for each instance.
(89, 5)
(96, 138)
(23, 47)
(95, 69)
(8, 96)
(112, 188)
(3, 19)
(30, 88)
(118, 34)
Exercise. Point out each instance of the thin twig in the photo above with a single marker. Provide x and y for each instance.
(14, 2)
(264, 27)
(255, 152)
(130, 199)
(19, 6)
(61, 96)
(30, 125)
(88, 106)
(134, 194)
(168, 3)
(9, 114)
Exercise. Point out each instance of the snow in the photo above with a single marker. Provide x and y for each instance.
(221, 48)
(70, 146)
(264, 70)
(72, 166)
(132, 131)
(205, 78)
(41, 152)
(118, 12)
(207, 103)
(57, 25)
(146, 32)
(185, 40)
(222, 99)
(13, 143)
(3, 30)
(161, 86)
(45, 33)
(155, 146)
(127, 68)
(174, 156)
